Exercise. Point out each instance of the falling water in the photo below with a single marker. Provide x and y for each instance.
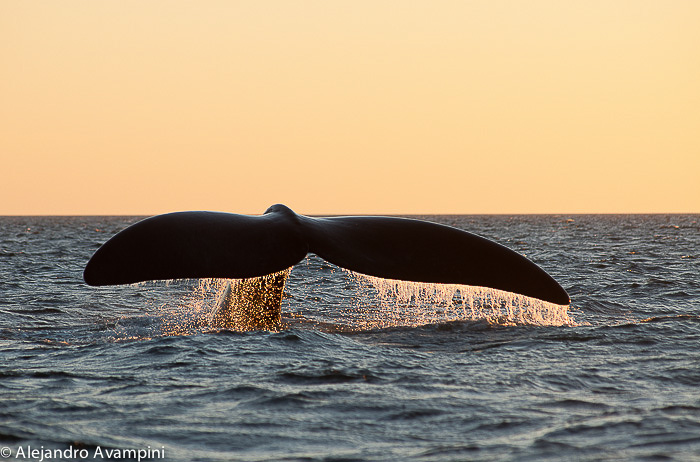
(194, 311)
(375, 304)
(390, 302)
(187, 311)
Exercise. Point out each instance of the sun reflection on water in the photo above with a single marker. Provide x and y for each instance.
(377, 303)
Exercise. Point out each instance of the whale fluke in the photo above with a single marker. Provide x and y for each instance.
(187, 245)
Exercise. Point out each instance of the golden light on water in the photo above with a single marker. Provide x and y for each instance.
(251, 304)
(377, 303)
(193, 313)
(390, 303)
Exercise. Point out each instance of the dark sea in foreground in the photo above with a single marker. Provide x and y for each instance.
(99, 373)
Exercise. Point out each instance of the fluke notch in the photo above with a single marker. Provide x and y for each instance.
(186, 245)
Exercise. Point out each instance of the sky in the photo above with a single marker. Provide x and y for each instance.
(349, 107)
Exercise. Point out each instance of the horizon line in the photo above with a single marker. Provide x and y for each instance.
(355, 214)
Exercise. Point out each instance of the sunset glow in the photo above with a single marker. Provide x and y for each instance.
(367, 107)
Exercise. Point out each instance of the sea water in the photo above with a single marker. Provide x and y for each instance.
(361, 369)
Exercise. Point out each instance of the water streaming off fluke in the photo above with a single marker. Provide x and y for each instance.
(250, 304)
(389, 302)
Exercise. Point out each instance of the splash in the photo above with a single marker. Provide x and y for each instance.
(185, 309)
(235, 304)
(371, 303)
(390, 302)
(193, 312)
(251, 304)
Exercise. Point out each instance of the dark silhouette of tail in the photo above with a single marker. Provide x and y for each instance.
(223, 245)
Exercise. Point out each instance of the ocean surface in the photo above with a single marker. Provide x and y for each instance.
(362, 370)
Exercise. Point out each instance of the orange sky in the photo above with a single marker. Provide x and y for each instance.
(144, 107)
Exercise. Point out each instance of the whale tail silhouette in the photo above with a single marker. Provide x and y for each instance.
(186, 245)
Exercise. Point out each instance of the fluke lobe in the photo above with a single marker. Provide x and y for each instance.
(185, 245)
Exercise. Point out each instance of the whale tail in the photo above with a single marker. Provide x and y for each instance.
(185, 245)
